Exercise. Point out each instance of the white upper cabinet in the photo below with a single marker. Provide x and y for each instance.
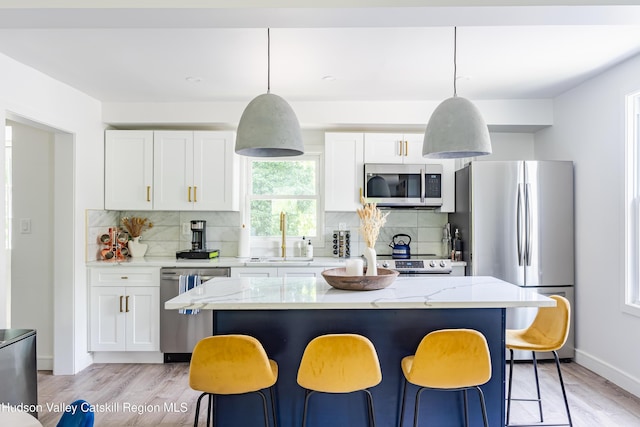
(173, 170)
(393, 148)
(215, 169)
(128, 170)
(344, 171)
(183, 170)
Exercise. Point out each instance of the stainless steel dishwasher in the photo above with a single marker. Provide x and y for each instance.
(179, 333)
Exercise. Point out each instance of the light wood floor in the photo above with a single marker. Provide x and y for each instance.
(162, 393)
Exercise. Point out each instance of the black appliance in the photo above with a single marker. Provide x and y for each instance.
(198, 243)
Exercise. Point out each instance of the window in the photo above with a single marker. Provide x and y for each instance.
(289, 186)
(632, 206)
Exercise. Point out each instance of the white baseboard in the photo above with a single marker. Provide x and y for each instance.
(611, 373)
(128, 357)
(44, 363)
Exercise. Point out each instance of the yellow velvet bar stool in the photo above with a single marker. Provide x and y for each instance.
(232, 364)
(548, 332)
(339, 363)
(449, 360)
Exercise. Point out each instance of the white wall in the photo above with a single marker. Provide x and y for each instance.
(27, 93)
(32, 252)
(590, 130)
(510, 146)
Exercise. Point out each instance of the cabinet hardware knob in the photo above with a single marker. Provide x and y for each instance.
(120, 303)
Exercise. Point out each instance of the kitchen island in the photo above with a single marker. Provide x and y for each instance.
(286, 313)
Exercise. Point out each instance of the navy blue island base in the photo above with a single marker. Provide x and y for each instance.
(395, 333)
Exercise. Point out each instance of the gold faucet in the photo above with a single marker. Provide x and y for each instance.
(283, 228)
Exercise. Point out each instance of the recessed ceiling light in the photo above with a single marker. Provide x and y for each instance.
(328, 78)
(192, 79)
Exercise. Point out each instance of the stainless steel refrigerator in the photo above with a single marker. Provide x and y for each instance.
(516, 221)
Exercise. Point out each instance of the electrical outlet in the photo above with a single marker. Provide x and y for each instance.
(342, 226)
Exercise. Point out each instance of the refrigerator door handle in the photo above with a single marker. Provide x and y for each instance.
(423, 190)
(519, 225)
(527, 225)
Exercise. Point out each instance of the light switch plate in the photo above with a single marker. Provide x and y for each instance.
(25, 226)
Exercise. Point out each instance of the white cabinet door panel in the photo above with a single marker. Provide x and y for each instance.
(143, 333)
(107, 319)
(214, 163)
(128, 174)
(344, 170)
(172, 170)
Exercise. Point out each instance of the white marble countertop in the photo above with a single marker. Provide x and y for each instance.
(228, 262)
(278, 293)
(221, 262)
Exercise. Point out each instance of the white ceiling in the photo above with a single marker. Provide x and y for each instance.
(134, 55)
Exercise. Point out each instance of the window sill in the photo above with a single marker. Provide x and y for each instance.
(631, 309)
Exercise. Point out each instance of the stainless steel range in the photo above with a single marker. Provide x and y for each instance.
(417, 266)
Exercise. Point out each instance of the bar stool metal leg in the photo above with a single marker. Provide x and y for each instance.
(404, 394)
(564, 393)
(535, 371)
(466, 408)
(273, 406)
(509, 388)
(539, 398)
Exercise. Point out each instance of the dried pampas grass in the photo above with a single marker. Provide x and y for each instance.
(136, 225)
(372, 219)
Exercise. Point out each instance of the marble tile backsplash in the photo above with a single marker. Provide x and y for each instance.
(223, 229)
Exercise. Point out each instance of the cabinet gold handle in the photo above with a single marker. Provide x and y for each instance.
(361, 198)
(406, 148)
(126, 304)
(189, 194)
(148, 193)
(195, 194)
(120, 303)
(124, 277)
(400, 148)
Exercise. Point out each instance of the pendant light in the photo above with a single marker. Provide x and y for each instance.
(456, 127)
(268, 126)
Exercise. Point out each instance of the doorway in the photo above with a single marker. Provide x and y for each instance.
(40, 198)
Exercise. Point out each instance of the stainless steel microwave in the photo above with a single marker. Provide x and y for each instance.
(400, 185)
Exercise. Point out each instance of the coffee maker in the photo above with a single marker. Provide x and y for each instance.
(198, 243)
(198, 234)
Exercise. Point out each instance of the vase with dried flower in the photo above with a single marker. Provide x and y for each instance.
(135, 226)
(371, 221)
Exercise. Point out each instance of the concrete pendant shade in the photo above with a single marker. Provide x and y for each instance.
(269, 128)
(456, 129)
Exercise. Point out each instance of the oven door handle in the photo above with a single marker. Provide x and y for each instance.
(177, 277)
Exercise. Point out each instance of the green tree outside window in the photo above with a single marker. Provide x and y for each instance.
(284, 185)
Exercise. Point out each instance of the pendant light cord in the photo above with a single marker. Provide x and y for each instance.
(268, 61)
(455, 65)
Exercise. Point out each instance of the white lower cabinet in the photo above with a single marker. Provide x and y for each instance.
(277, 271)
(124, 309)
